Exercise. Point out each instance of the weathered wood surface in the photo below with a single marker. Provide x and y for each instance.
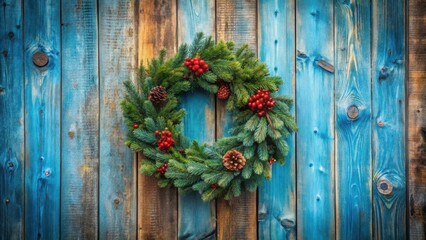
(388, 108)
(80, 130)
(42, 119)
(12, 122)
(315, 118)
(197, 219)
(236, 21)
(117, 173)
(353, 119)
(417, 118)
(157, 207)
(277, 197)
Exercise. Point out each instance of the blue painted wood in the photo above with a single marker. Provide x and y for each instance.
(42, 120)
(80, 120)
(236, 21)
(315, 118)
(277, 197)
(197, 219)
(117, 173)
(388, 127)
(353, 89)
(12, 122)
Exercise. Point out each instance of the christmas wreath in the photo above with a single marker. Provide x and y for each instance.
(240, 162)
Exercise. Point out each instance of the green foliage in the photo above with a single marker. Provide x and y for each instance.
(199, 167)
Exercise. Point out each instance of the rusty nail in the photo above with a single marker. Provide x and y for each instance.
(380, 123)
(384, 186)
(7, 201)
(40, 59)
(352, 112)
(326, 66)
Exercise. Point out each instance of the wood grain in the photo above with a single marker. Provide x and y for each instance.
(197, 219)
(277, 197)
(42, 120)
(12, 121)
(388, 126)
(315, 118)
(157, 207)
(80, 120)
(417, 119)
(236, 21)
(117, 173)
(353, 119)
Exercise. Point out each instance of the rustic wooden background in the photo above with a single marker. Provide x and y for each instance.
(355, 67)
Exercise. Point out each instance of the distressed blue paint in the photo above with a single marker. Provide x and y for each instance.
(80, 123)
(277, 197)
(353, 88)
(388, 127)
(196, 218)
(12, 122)
(117, 173)
(42, 120)
(315, 118)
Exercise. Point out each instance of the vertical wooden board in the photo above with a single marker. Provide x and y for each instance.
(353, 119)
(117, 174)
(157, 215)
(80, 120)
(197, 219)
(417, 118)
(12, 121)
(236, 21)
(277, 197)
(388, 102)
(42, 119)
(315, 118)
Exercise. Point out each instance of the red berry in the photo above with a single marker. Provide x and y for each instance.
(205, 66)
(156, 132)
(166, 164)
(260, 106)
(196, 59)
(200, 70)
(201, 62)
(135, 125)
(195, 67)
(187, 59)
(214, 186)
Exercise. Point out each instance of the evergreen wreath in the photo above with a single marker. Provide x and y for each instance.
(240, 162)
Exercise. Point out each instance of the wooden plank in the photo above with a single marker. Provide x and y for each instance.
(157, 215)
(197, 219)
(417, 118)
(236, 21)
(80, 120)
(42, 119)
(353, 119)
(315, 118)
(388, 102)
(12, 121)
(277, 197)
(117, 174)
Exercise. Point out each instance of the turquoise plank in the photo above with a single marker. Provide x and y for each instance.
(42, 120)
(353, 119)
(12, 122)
(197, 219)
(80, 120)
(277, 197)
(117, 167)
(315, 118)
(388, 126)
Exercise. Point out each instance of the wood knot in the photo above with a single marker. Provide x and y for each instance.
(288, 223)
(71, 134)
(385, 187)
(40, 59)
(116, 202)
(352, 112)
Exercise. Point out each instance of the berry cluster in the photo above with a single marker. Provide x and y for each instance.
(165, 141)
(261, 102)
(163, 168)
(196, 65)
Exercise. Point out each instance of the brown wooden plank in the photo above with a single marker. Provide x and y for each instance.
(236, 21)
(417, 118)
(157, 207)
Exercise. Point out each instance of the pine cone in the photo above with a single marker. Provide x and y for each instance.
(223, 92)
(158, 95)
(234, 160)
